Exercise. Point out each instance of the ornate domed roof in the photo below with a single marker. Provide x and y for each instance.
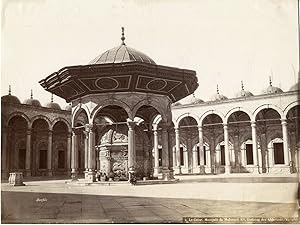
(271, 89)
(177, 104)
(32, 101)
(295, 87)
(218, 96)
(243, 93)
(10, 98)
(53, 105)
(193, 100)
(122, 54)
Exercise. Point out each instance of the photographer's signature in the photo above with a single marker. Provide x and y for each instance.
(41, 200)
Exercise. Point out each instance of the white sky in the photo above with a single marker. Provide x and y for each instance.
(224, 41)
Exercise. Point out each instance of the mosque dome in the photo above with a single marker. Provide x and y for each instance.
(177, 104)
(32, 101)
(10, 98)
(295, 87)
(122, 54)
(243, 93)
(271, 89)
(52, 105)
(218, 96)
(193, 100)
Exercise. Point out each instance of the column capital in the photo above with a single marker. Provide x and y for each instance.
(69, 134)
(200, 128)
(154, 126)
(165, 126)
(253, 124)
(225, 125)
(176, 129)
(28, 131)
(50, 132)
(131, 124)
(283, 121)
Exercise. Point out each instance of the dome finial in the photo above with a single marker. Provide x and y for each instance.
(218, 89)
(31, 94)
(51, 97)
(270, 81)
(242, 85)
(123, 37)
(9, 90)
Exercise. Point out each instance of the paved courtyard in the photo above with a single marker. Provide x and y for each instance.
(55, 201)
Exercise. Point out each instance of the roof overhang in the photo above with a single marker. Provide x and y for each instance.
(74, 82)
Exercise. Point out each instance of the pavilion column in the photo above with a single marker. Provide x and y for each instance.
(131, 147)
(254, 148)
(177, 147)
(28, 152)
(49, 152)
(4, 151)
(227, 154)
(91, 155)
(86, 152)
(201, 150)
(69, 146)
(156, 154)
(165, 153)
(189, 156)
(285, 142)
(74, 157)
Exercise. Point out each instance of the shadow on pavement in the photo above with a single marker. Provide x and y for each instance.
(28, 207)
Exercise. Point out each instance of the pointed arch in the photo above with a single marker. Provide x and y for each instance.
(238, 109)
(20, 114)
(182, 116)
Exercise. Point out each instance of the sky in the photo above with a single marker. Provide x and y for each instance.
(224, 41)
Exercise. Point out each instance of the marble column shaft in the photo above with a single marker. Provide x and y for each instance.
(227, 153)
(285, 142)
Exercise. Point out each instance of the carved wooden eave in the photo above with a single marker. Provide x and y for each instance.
(74, 82)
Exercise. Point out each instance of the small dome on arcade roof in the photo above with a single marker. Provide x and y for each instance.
(122, 54)
(271, 89)
(32, 101)
(218, 96)
(243, 93)
(193, 100)
(10, 98)
(53, 105)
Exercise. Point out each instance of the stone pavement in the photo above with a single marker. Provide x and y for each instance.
(56, 202)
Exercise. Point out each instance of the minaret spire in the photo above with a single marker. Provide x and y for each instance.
(51, 97)
(217, 89)
(270, 80)
(242, 85)
(9, 90)
(123, 37)
(31, 94)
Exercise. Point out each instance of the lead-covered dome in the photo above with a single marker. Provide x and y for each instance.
(271, 89)
(193, 100)
(10, 98)
(218, 96)
(32, 101)
(52, 105)
(122, 54)
(243, 92)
